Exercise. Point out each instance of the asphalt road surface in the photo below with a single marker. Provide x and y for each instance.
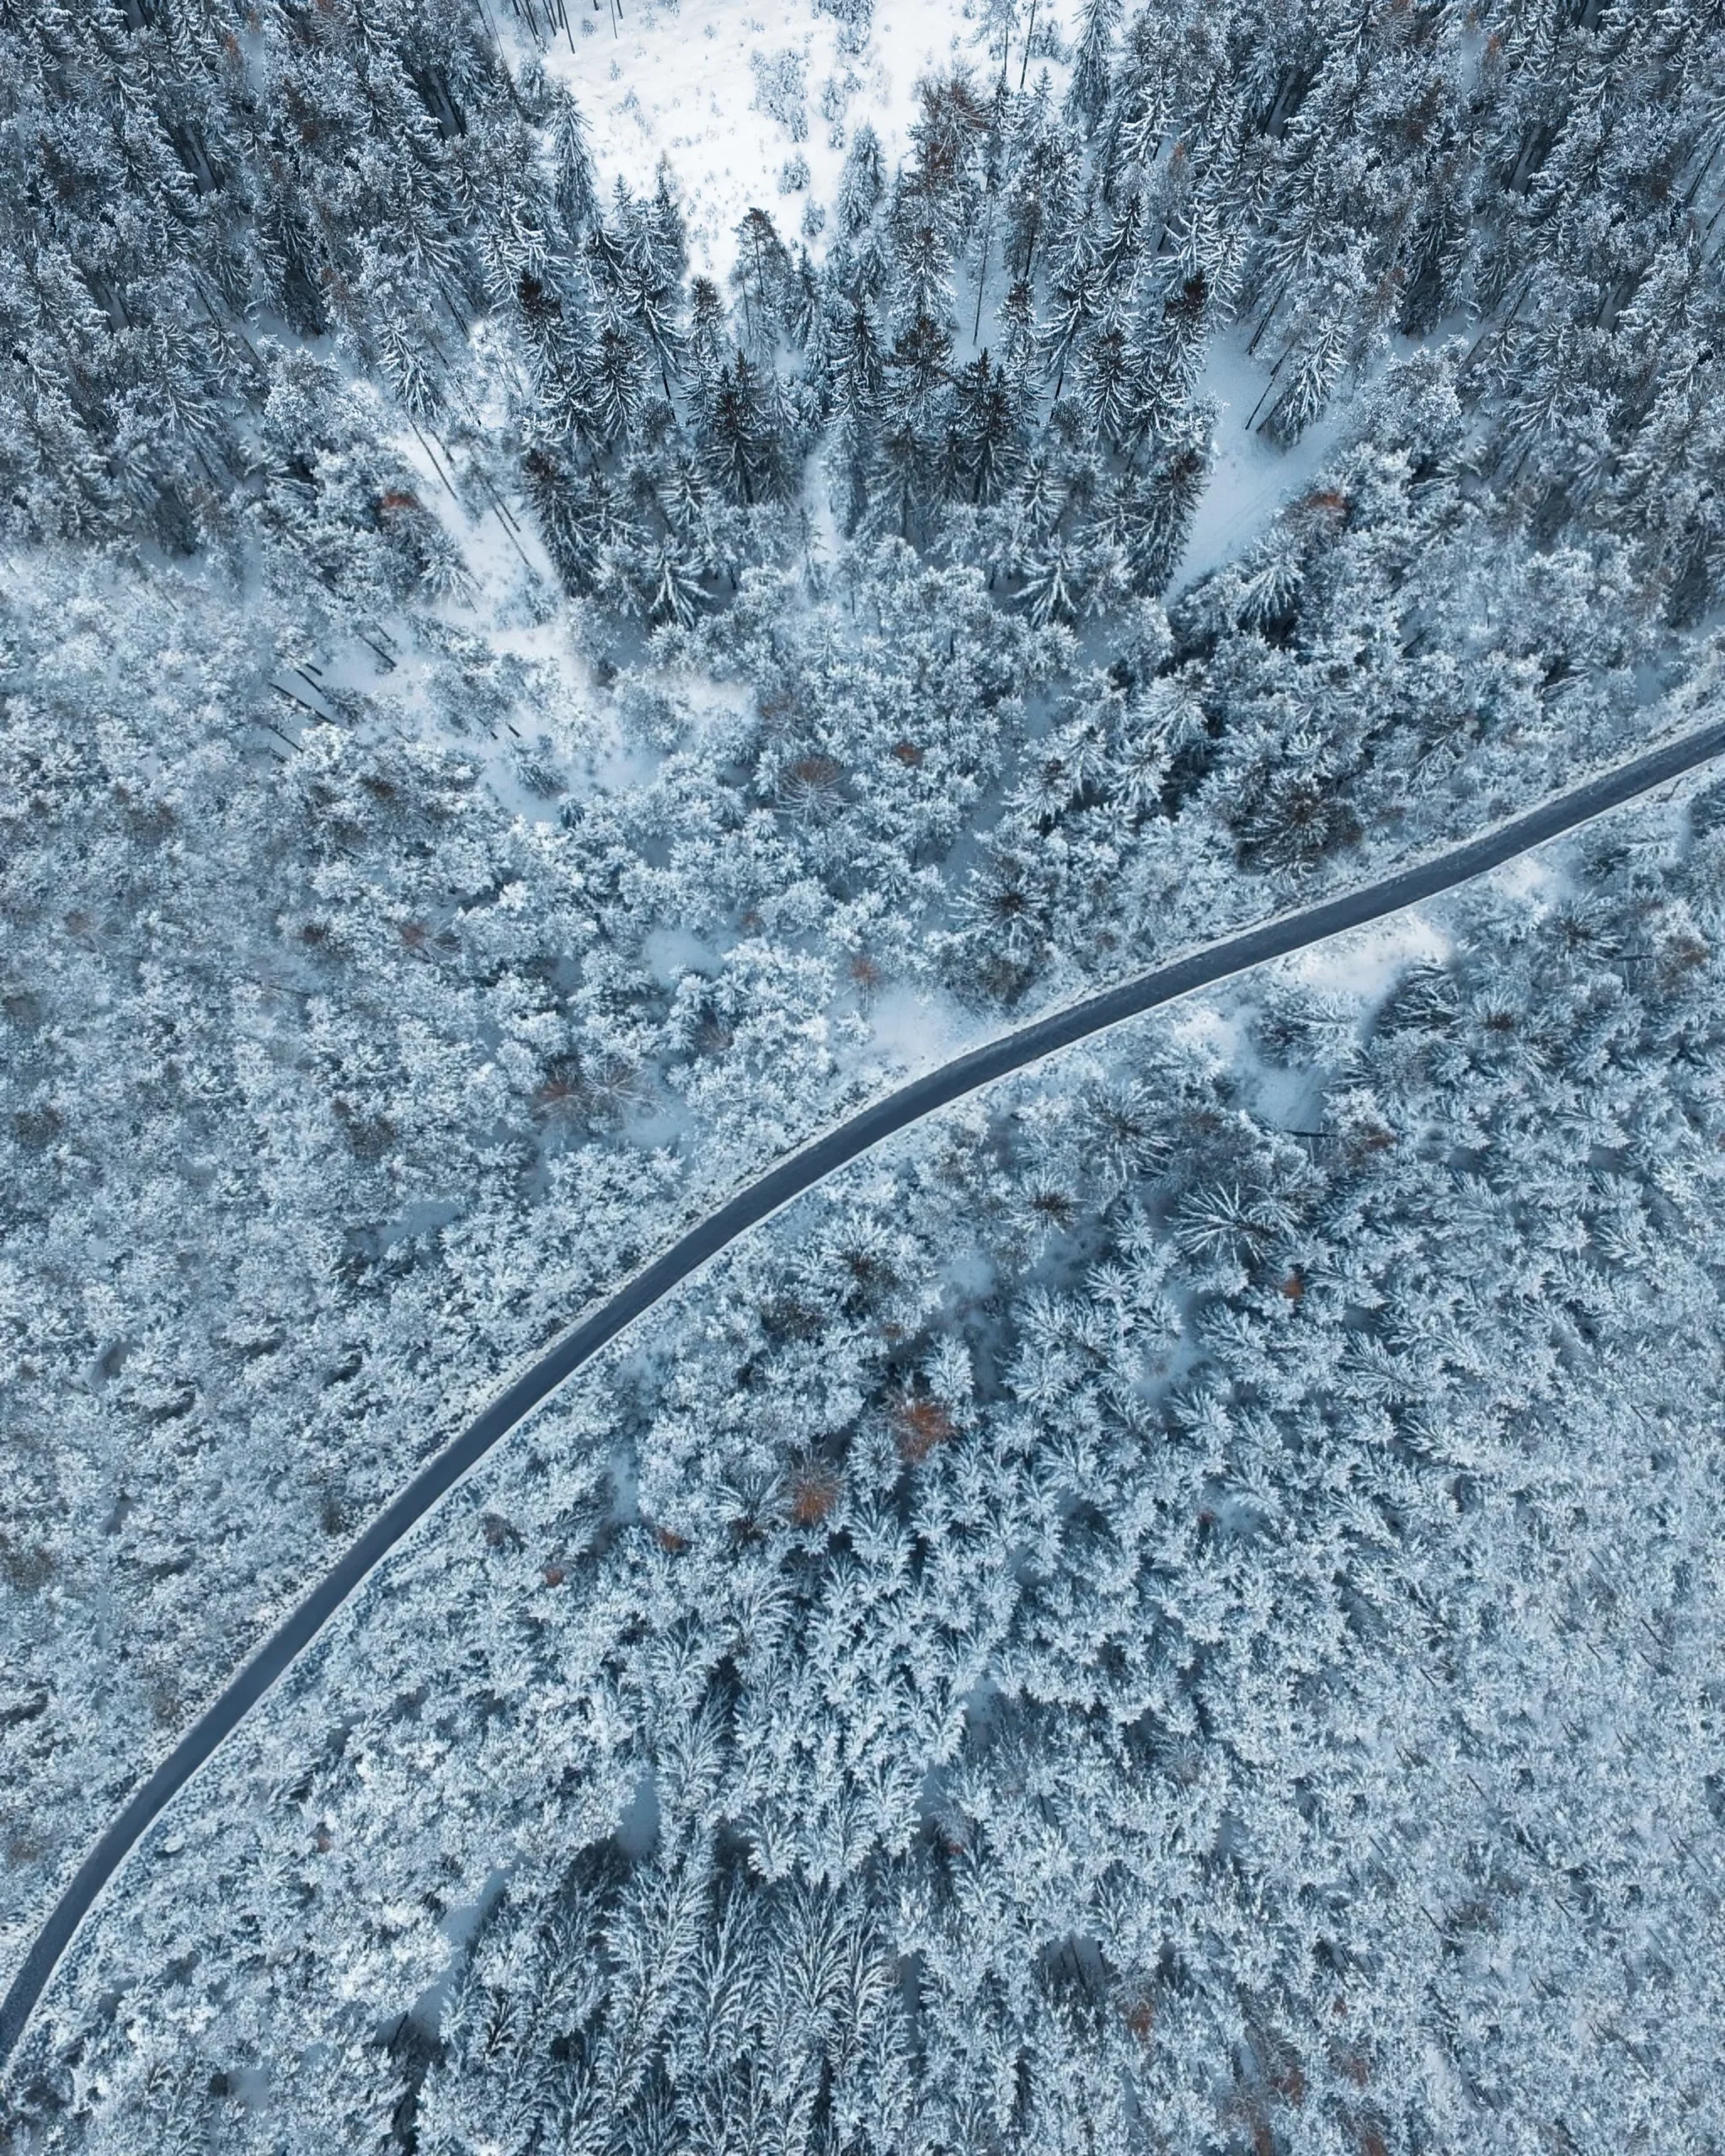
(799, 1172)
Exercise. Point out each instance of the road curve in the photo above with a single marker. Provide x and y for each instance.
(788, 1179)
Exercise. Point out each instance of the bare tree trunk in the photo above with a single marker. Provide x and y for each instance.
(982, 270)
(1269, 316)
(1268, 386)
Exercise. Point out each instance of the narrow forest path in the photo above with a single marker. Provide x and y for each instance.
(788, 1179)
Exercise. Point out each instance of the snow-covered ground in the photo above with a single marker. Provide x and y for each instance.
(682, 80)
(1364, 965)
(1252, 476)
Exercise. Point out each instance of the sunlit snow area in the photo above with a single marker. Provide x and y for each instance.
(747, 105)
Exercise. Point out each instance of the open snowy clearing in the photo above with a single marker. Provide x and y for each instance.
(689, 84)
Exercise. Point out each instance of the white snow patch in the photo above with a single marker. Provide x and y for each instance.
(1540, 878)
(1363, 964)
(669, 953)
(916, 1030)
(673, 80)
(1252, 477)
(1348, 975)
(1214, 1026)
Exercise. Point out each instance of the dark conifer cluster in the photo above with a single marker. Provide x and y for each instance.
(998, 354)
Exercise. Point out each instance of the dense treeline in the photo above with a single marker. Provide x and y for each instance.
(998, 354)
(1134, 1613)
(333, 1081)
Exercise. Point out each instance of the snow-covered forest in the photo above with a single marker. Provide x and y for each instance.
(1179, 1610)
(1176, 1608)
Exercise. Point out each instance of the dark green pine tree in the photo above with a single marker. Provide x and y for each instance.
(1087, 96)
(1079, 294)
(760, 279)
(988, 432)
(577, 512)
(1044, 180)
(1158, 501)
(571, 169)
(853, 381)
(738, 433)
(1163, 358)
(861, 183)
(618, 381)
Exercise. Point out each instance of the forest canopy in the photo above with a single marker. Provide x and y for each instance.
(1175, 1608)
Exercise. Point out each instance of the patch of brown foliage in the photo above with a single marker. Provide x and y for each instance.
(815, 1491)
(920, 1426)
(1289, 2082)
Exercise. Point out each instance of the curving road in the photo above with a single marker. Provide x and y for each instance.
(793, 1175)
